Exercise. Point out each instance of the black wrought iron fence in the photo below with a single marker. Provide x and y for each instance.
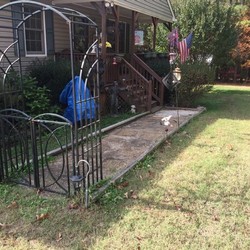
(41, 152)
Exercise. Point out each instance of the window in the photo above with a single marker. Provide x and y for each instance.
(123, 35)
(81, 35)
(34, 32)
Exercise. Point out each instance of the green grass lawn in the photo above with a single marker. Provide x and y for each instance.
(193, 192)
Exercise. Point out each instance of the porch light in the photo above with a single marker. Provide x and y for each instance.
(109, 4)
(78, 179)
(176, 82)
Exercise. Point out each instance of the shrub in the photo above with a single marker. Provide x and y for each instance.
(53, 75)
(36, 98)
(197, 79)
(10, 90)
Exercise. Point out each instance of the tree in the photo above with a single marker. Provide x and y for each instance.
(161, 36)
(241, 53)
(214, 27)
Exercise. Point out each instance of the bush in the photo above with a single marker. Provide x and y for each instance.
(197, 79)
(53, 75)
(36, 98)
(10, 91)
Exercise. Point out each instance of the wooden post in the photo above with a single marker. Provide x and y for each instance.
(103, 12)
(155, 22)
(133, 26)
(116, 12)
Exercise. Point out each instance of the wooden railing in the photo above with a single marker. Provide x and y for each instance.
(135, 89)
(149, 74)
(65, 55)
(137, 85)
(140, 81)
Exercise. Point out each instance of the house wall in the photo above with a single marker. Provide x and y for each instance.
(61, 34)
(61, 28)
(61, 40)
(6, 38)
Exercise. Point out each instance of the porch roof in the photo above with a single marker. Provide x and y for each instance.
(160, 9)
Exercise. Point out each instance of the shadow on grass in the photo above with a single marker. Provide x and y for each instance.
(80, 228)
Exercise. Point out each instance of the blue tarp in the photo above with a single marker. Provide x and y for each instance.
(85, 104)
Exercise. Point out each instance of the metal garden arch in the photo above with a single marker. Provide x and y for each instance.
(48, 151)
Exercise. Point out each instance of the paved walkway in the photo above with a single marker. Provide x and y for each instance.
(126, 145)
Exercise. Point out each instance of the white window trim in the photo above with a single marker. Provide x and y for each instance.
(44, 38)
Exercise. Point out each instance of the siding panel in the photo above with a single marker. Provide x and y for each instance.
(156, 8)
(61, 34)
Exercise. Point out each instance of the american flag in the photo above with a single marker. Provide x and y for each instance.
(173, 38)
(184, 47)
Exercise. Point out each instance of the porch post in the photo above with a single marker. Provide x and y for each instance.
(133, 26)
(104, 34)
(116, 11)
(155, 22)
(103, 12)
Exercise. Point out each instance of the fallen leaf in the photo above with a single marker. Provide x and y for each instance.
(126, 195)
(138, 238)
(216, 218)
(59, 237)
(41, 217)
(178, 207)
(39, 191)
(3, 225)
(151, 174)
(133, 195)
(73, 206)
(168, 143)
(13, 204)
(122, 185)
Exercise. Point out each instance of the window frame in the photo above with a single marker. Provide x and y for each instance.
(76, 42)
(43, 52)
(123, 35)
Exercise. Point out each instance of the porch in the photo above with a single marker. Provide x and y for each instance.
(129, 79)
(124, 72)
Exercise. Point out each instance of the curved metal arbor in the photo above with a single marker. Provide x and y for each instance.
(30, 149)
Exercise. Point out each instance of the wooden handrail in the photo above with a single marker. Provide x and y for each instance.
(134, 70)
(139, 61)
(149, 74)
(137, 84)
(140, 80)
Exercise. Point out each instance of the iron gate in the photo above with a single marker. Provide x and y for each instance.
(40, 152)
